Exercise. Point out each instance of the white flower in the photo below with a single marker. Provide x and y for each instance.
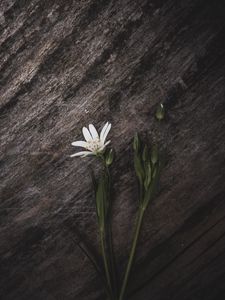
(94, 143)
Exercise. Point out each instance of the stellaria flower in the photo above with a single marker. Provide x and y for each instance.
(94, 143)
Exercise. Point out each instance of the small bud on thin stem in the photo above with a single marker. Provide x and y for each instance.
(160, 112)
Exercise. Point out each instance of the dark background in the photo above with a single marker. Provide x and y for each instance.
(65, 64)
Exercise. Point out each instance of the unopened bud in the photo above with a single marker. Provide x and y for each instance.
(145, 155)
(136, 143)
(154, 155)
(139, 168)
(109, 157)
(148, 175)
(160, 112)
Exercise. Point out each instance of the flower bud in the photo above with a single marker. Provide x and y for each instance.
(160, 112)
(139, 168)
(136, 143)
(145, 155)
(148, 175)
(109, 157)
(154, 154)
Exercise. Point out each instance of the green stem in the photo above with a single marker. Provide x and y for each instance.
(110, 242)
(105, 262)
(112, 260)
(132, 251)
(106, 241)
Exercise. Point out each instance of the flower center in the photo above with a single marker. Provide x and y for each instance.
(94, 145)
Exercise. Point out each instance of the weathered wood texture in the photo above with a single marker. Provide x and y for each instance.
(67, 63)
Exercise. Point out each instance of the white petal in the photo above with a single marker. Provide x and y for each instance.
(86, 134)
(106, 133)
(103, 130)
(103, 146)
(107, 143)
(93, 131)
(80, 144)
(82, 153)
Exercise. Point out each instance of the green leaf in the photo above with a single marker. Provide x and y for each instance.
(93, 180)
(100, 200)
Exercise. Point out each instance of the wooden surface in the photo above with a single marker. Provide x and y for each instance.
(64, 64)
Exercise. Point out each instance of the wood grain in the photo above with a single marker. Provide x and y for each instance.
(64, 64)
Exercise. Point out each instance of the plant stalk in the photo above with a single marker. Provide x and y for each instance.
(112, 261)
(105, 262)
(110, 240)
(132, 251)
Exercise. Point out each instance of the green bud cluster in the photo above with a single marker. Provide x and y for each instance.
(147, 165)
